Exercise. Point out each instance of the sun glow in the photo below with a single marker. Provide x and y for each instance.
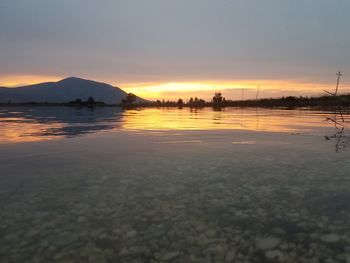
(231, 90)
(22, 80)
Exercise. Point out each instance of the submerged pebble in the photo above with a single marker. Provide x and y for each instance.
(330, 238)
(274, 254)
(267, 243)
(170, 255)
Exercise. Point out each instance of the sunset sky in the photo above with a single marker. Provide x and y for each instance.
(170, 49)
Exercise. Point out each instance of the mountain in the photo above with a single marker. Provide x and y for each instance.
(63, 91)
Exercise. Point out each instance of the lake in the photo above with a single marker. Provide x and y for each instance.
(174, 185)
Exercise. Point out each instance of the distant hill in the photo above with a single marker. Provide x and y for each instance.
(63, 91)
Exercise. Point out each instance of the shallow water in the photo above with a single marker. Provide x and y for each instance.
(173, 185)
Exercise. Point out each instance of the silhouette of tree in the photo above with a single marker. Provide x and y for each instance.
(218, 98)
(129, 99)
(90, 101)
(180, 102)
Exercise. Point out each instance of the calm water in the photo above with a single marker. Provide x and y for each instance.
(173, 185)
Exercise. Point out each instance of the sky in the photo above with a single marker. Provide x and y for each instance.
(168, 49)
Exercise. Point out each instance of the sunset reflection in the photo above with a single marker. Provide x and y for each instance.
(41, 124)
(25, 124)
(21, 130)
(226, 119)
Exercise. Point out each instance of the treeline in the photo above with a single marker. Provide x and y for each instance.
(90, 102)
(219, 101)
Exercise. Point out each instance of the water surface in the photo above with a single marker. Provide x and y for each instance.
(24, 124)
(173, 185)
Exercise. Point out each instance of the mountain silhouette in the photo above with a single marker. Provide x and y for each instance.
(63, 91)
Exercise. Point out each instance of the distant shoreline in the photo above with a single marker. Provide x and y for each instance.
(284, 102)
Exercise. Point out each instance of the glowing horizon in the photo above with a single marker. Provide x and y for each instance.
(173, 90)
(230, 89)
(13, 81)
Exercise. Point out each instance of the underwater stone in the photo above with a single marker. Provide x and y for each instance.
(267, 243)
(131, 234)
(170, 255)
(330, 238)
(65, 238)
(274, 254)
(230, 256)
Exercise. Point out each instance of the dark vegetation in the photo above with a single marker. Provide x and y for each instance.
(218, 101)
(90, 102)
(129, 100)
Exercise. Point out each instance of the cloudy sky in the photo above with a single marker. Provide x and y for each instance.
(165, 48)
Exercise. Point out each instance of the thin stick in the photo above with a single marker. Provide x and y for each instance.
(336, 88)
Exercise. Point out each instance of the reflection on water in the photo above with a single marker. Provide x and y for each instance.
(228, 118)
(25, 124)
(342, 141)
(340, 121)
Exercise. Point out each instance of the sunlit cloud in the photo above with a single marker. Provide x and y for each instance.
(21, 80)
(245, 89)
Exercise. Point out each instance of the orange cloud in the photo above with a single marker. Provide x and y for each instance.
(231, 89)
(21, 80)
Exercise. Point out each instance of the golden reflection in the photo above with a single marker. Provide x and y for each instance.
(244, 142)
(180, 142)
(41, 124)
(31, 124)
(230, 118)
(14, 130)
